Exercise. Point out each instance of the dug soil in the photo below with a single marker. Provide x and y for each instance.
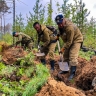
(58, 84)
(86, 72)
(10, 55)
(54, 88)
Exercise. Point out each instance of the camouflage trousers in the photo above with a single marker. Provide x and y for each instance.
(71, 55)
(49, 50)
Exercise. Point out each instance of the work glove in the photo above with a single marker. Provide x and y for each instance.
(57, 37)
(61, 51)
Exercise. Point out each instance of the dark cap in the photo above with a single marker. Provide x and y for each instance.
(13, 33)
(59, 19)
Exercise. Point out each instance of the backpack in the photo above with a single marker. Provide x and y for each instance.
(54, 30)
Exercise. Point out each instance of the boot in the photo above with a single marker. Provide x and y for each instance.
(43, 61)
(72, 72)
(52, 65)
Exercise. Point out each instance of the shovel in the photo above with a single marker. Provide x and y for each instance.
(39, 54)
(62, 65)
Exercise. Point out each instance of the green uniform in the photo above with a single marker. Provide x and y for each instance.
(72, 38)
(49, 41)
(25, 40)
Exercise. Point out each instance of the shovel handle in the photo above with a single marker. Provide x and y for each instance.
(38, 48)
(58, 45)
(61, 57)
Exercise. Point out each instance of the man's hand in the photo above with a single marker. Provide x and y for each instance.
(57, 38)
(62, 50)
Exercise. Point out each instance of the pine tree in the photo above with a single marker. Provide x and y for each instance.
(19, 23)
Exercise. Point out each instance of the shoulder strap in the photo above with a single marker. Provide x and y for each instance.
(53, 29)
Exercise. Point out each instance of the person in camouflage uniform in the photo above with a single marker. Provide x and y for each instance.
(25, 40)
(72, 39)
(49, 42)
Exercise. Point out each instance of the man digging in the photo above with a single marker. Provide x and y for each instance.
(72, 39)
(25, 40)
(49, 40)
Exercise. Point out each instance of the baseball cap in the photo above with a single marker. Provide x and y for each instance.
(59, 19)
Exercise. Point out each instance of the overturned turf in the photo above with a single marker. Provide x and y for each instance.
(10, 55)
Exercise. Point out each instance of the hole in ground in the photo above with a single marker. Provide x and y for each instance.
(84, 83)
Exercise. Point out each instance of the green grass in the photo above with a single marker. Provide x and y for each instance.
(37, 74)
(7, 38)
(86, 55)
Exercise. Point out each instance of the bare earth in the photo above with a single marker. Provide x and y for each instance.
(57, 84)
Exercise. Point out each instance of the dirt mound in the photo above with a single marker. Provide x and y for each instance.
(3, 46)
(11, 55)
(82, 63)
(64, 77)
(93, 59)
(85, 73)
(88, 72)
(54, 88)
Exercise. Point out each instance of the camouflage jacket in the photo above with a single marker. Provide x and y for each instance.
(23, 38)
(70, 34)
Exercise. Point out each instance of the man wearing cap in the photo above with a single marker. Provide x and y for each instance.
(25, 40)
(72, 39)
(48, 39)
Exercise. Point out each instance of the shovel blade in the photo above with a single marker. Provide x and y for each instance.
(40, 54)
(63, 66)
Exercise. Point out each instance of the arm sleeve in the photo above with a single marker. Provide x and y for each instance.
(47, 37)
(19, 40)
(70, 36)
